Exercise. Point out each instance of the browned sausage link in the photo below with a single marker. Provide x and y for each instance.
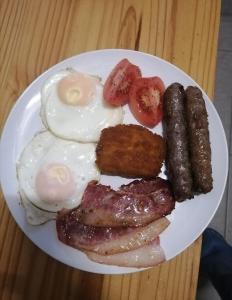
(200, 151)
(175, 129)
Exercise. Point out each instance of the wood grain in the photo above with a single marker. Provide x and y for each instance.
(35, 35)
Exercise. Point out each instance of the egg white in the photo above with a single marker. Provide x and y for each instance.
(78, 123)
(35, 215)
(45, 149)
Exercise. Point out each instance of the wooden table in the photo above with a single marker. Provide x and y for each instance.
(35, 35)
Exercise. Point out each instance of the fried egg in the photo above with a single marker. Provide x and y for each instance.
(35, 215)
(53, 173)
(72, 107)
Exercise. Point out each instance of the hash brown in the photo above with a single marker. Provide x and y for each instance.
(130, 151)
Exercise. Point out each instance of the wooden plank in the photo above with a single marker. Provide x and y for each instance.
(34, 35)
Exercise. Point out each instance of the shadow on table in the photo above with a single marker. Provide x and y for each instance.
(65, 283)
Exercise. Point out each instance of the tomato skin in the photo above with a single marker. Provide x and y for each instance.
(146, 100)
(118, 84)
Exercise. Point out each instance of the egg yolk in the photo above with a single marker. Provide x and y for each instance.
(54, 183)
(77, 89)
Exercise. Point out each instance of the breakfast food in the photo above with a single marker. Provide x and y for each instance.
(119, 82)
(120, 227)
(144, 95)
(146, 100)
(58, 171)
(178, 162)
(188, 146)
(53, 173)
(105, 240)
(200, 151)
(136, 204)
(72, 107)
(35, 215)
(145, 256)
(130, 151)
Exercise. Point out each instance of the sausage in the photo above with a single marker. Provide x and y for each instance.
(175, 130)
(200, 151)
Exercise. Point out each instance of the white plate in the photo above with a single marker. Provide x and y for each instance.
(188, 220)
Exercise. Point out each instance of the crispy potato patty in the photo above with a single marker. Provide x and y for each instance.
(130, 151)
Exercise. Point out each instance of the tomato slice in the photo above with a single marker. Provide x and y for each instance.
(146, 100)
(118, 84)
